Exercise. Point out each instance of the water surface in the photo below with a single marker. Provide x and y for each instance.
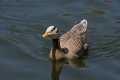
(24, 53)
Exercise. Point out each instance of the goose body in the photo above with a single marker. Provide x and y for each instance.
(71, 44)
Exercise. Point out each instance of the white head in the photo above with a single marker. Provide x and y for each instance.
(51, 32)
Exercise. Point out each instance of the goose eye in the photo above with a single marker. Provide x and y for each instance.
(53, 29)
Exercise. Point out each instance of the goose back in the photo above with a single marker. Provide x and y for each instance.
(75, 38)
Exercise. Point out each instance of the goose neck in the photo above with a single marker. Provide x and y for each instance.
(56, 43)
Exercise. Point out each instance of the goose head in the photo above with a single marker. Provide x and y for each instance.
(51, 32)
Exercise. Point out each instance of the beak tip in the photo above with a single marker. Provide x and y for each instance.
(44, 35)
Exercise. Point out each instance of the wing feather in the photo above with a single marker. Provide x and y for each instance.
(74, 39)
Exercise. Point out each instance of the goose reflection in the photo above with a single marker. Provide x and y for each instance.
(56, 70)
(57, 66)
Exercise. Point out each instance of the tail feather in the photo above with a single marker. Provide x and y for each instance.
(80, 27)
(84, 24)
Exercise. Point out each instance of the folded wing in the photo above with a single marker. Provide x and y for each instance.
(74, 39)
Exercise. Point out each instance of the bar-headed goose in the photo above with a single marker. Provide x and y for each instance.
(69, 45)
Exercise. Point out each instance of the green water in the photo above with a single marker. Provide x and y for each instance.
(24, 53)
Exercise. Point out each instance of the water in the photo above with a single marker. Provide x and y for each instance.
(24, 53)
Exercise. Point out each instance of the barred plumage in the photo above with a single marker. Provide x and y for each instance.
(75, 39)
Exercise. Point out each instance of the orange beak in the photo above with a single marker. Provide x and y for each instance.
(45, 35)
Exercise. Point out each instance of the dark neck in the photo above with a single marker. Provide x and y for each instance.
(56, 43)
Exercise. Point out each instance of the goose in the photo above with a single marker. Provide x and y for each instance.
(71, 44)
